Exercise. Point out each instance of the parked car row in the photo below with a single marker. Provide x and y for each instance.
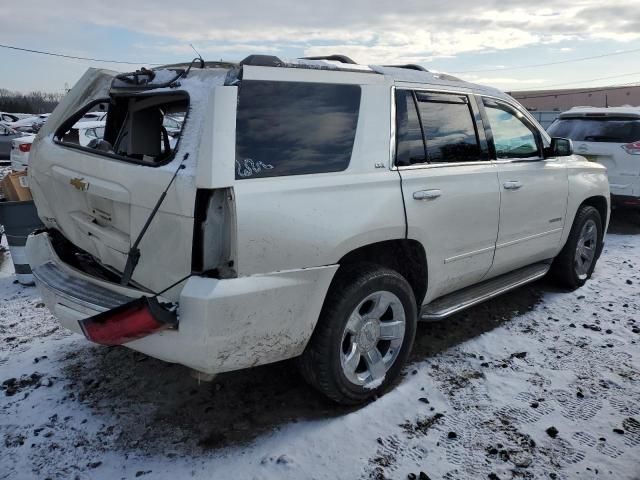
(83, 132)
(30, 124)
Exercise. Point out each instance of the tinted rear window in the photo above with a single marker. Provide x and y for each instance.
(434, 128)
(614, 130)
(410, 147)
(294, 128)
(448, 128)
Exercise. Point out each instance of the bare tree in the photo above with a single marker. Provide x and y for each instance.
(33, 102)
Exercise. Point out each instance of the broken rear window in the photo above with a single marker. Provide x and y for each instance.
(142, 128)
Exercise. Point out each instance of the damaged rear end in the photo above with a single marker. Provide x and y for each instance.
(140, 207)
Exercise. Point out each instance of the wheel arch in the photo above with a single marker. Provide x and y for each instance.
(600, 203)
(406, 256)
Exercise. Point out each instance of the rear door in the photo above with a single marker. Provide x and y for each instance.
(450, 188)
(533, 190)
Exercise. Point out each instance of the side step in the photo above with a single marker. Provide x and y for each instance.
(467, 297)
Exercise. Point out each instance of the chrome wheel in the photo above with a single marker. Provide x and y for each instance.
(586, 249)
(372, 339)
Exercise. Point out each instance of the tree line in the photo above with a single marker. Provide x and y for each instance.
(33, 102)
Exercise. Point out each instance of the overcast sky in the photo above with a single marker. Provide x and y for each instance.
(455, 36)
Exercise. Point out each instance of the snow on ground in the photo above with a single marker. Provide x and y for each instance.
(538, 384)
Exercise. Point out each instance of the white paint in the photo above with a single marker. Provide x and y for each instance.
(224, 324)
(289, 233)
(218, 144)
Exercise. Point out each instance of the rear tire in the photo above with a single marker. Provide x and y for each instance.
(364, 334)
(575, 263)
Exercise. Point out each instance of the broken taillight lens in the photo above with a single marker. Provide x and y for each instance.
(128, 322)
(632, 148)
(24, 147)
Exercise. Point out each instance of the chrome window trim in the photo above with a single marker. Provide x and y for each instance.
(518, 107)
(393, 131)
(392, 139)
(488, 163)
(529, 117)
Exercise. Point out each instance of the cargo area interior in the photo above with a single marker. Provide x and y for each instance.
(140, 128)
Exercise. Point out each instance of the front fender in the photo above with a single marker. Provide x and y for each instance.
(586, 180)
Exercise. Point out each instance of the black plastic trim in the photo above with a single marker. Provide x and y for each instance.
(409, 66)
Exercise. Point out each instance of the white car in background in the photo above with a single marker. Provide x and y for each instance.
(8, 117)
(611, 137)
(93, 117)
(85, 131)
(19, 155)
(30, 124)
(7, 134)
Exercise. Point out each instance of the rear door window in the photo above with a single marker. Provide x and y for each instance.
(449, 129)
(435, 128)
(294, 128)
(410, 148)
(513, 137)
(610, 129)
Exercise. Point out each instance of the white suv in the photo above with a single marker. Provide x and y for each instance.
(311, 208)
(610, 136)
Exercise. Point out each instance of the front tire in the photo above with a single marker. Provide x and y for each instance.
(577, 260)
(364, 334)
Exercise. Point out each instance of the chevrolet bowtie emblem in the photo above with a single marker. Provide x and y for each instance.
(79, 184)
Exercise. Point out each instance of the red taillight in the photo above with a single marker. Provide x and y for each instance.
(24, 147)
(128, 322)
(632, 148)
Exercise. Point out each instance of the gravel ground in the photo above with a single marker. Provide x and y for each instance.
(536, 384)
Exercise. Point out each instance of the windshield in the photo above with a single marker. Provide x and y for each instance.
(610, 129)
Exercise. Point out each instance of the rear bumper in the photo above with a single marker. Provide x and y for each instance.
(224, 324)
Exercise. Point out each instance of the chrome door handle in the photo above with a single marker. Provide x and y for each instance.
(426, 194)
(512, 185)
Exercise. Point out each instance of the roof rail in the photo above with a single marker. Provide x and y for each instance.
(262, 61)
(409, 66)
(334, 58)
(207, 64)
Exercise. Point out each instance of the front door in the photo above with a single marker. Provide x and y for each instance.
(450, 188)
(533, 190)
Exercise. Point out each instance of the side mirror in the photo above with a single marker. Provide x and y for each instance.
(560, 147)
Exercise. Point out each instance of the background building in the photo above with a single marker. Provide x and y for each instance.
(546, 105)
(561, 100)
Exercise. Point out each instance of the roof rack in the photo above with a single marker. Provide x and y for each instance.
(334, 58)
(446, 76)
(262, 61)
(207, 64)
(409, 66)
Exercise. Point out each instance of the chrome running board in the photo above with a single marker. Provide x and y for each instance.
(467, 297)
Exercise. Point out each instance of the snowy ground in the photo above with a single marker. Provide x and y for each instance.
(483, 390)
